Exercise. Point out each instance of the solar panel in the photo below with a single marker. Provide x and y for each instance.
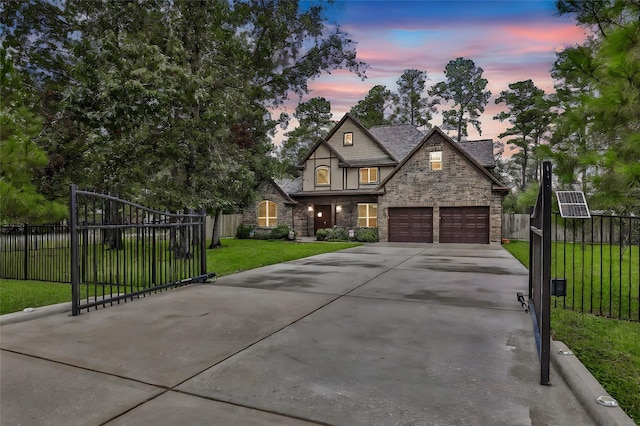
(573, 204)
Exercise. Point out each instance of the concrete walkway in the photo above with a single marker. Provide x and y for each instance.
(383, 334)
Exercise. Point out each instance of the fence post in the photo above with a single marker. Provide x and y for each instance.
(26, 252)
(546, 274)
(75, 267)
(203, 242)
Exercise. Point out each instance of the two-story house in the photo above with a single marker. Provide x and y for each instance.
(409, 185)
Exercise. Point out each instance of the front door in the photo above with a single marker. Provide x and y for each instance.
(321, 217)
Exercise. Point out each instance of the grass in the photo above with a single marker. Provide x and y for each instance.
(234, 256)
(609, 348)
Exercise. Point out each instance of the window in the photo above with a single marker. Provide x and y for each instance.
(367, 215)
(323, 175)
(347, 139)
(267, 214)
(369, 175)
(435, 160)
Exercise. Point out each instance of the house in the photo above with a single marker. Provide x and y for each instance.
(411, 186)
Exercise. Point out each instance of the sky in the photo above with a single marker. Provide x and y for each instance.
(511, 40)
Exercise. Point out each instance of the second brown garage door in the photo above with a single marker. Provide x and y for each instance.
(411, 224)
(464, 225)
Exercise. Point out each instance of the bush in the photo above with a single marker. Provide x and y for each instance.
(280, 232)
(337, 233)
(366, 235)
(322, 234)
(244, 232)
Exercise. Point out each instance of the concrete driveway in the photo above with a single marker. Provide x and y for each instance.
(383, 334)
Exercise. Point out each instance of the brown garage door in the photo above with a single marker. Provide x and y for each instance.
(411, 224)
(464, 225)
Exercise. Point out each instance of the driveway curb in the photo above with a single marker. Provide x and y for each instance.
(586, 388)
(39, 312)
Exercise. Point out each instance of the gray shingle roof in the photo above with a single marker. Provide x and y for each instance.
(290, 186)
(398, 139)
(481, 150)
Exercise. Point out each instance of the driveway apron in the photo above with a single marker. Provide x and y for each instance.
(382, 334)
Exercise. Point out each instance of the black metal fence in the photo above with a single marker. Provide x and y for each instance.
(540, 271)
(121, 250)
(600, 260)
(35, 252)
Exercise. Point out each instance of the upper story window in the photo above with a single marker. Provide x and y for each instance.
(369, 175)
(347, 139)
(435, 160)
(323, 175)
(267, 214)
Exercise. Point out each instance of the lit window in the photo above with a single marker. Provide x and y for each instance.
(322, 175)
(267, 214)
(347, 139)
(369, 175)
(435, 160)
(367, 215)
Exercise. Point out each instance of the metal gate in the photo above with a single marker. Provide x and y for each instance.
(121, 250)
(540, 271)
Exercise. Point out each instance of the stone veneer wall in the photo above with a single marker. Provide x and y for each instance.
(458, 184)
(268, 192)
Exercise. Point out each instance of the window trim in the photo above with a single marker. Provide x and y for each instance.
(347, 139)
(369, 181)
(270, 221)
(368, 216)
(328, 169)
(434, 162)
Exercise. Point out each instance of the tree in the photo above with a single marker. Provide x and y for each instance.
(373, 109)
(20, 156)
(412, 107)
(530, 116)
(465, 89)
(314, 122)
(607, 64)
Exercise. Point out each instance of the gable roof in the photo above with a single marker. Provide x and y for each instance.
(399, 139)
(283, 186)
(481, 150)
(313, 149)
(436, 130)
(375, 140)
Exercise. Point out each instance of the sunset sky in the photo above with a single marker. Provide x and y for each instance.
(511, 40)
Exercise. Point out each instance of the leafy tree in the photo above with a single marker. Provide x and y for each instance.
(464, 88)
(607, 64)
(530, 116)
(314, 122)
(412, 107)
(373, 109)
(20, 157)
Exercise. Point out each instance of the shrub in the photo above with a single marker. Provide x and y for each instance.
(322, 234)
(338, 233)
(280, 232)
(243, 232)
(366, 235)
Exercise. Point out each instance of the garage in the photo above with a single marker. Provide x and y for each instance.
(464, 225)
(411, 224)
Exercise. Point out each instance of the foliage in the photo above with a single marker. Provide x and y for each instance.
(530, 115)
(412, 107)
(168, 100)
(244, 232)
(599, 134)
(280, 232)
(464, 88)
(314, 118)
(21, 159)
(374, 109)
(366, 235)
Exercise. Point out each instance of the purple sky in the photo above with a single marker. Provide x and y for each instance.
(511, 40)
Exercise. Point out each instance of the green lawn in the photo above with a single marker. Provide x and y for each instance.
(232, 257)
(609, 348)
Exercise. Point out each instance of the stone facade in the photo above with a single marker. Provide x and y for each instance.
(269, 191)
(460, 183)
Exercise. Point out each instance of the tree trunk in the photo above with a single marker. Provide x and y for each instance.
(217, 229)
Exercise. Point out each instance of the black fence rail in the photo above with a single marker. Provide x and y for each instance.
(121, 250)
(35, 252)
(599, 258)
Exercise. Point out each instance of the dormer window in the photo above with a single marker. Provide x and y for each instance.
(347, 139)
(435, 160)
(323, 176)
